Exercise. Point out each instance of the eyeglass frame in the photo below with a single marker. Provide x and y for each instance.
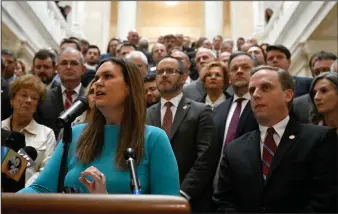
(174, 71)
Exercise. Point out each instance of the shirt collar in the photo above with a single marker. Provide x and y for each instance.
(31, 127)
(219, 100)
(77, 89)
(278, 127)
(175, 101)
(245, 96)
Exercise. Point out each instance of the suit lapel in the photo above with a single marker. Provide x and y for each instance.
(223, 116)
(242, 119)
(182, 109)
(82, 91)
(288, 139)
(59, 99)
(155, 115)
(254, 154)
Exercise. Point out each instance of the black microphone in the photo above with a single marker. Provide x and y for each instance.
(76, 109)
(129, 156)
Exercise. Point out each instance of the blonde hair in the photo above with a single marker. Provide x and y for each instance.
(28, 81)
(205, 70)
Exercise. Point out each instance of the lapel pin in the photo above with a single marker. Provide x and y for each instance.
(291, 137)
(184, 107)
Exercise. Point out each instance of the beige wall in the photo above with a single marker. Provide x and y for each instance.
(226, 20)
(113, 19)
(156, 18)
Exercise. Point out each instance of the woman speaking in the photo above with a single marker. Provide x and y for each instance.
(96, 161)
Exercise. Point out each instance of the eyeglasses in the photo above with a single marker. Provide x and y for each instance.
(169, 71)
(72, 63)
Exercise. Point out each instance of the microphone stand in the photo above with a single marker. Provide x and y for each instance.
(67, 139)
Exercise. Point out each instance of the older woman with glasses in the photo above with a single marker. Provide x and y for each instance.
(324, 97)
(26, 93)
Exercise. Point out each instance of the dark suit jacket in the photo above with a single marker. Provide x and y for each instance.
(302, 107)
(247, 121)
(192, 138)
(205, 95)
(87, 77)
(6, 109)
(303, 85)
(50, 109)
(302, 176)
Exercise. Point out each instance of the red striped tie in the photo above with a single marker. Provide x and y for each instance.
(269, 149)
(167, 119)
(69, 99)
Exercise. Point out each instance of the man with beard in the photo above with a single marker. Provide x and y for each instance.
(191, 131)
(44, 67)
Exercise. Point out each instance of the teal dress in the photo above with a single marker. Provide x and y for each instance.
(157, 172)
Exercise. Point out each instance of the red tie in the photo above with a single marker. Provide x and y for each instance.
(269, 149)
(168, 119)
(69, 99)
(231, 134)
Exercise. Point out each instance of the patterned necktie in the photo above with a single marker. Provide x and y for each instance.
(69, 99)
(168, 119)
(234, 122)
(269, 149)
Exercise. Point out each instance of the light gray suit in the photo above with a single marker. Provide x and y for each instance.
(196, 90)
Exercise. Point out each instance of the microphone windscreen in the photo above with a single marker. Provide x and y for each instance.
(31, 151)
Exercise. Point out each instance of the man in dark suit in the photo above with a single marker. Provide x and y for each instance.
(44, 67)
(191, 131)
(280, 57)
(233, 118)
(70, 68)
(285, 166)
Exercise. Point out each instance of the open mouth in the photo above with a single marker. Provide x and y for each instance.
(99, 93)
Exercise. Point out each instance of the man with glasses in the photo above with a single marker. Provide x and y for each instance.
(70, 68)
(190, 128)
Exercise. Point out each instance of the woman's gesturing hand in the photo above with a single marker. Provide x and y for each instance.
(98, 185)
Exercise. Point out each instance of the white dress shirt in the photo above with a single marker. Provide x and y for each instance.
(38, 136)
(74, 96)
(232, 111)
(174, 101)
(277, 136)
(219, 100)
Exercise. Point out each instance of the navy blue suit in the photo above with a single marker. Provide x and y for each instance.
(302, 85)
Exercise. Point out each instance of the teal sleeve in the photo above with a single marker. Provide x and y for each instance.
(164, 178)
(48, 179)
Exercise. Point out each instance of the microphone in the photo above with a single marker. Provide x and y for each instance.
(67, 117)
(13, 165)
(129, 156)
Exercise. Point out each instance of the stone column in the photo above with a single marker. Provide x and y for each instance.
(126, 18)
(213, 18)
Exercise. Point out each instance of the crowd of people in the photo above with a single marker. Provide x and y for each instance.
(221, 123)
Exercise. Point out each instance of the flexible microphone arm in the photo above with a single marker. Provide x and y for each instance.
(129, 156)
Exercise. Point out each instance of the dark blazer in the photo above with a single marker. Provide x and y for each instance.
(303, 85)
(6, 109)
(192, 138)
(302, 107)
(87, 77)
(302, 176)
(51, 107)
(247, 121)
